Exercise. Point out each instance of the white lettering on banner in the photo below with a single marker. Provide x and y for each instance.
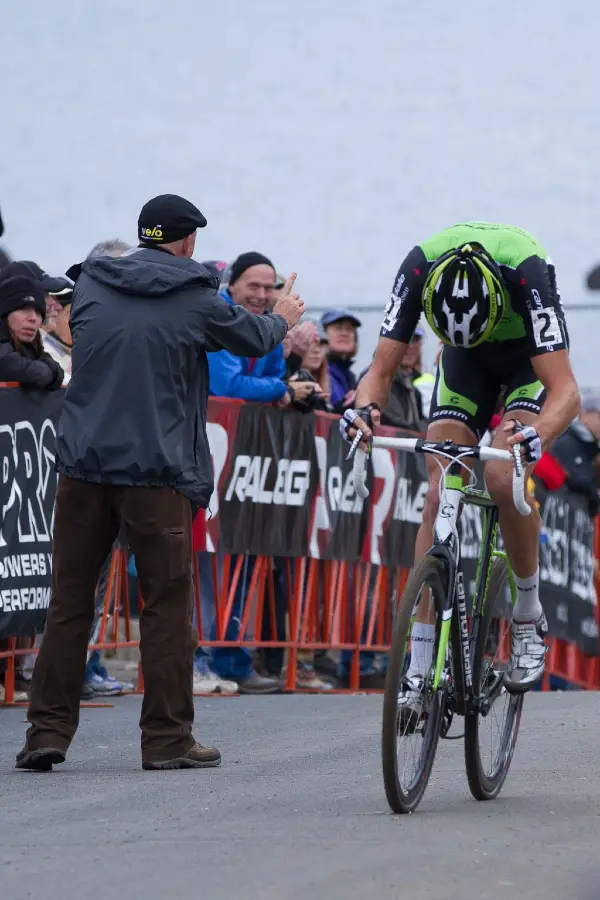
(27, 480)
(292, 481)
(27, 598)
(582, 557)
(218, 442)
(383, 467)
(341, 494)
(23, 564)
(589, 627)
(321, 517)
(554, 553)
(406, 507)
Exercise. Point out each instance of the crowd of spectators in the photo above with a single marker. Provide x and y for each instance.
(314, 369)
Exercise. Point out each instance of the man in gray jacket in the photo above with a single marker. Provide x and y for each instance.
(132, 447)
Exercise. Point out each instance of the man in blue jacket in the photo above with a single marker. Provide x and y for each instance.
(251, 285)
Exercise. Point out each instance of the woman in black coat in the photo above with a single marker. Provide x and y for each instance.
(22, 357)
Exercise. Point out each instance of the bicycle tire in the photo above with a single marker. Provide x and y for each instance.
(430, 571)
(483, 785)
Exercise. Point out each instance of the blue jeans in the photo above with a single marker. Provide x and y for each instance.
(207, 602)
(367, 657)
(95, 667)
(234, 662)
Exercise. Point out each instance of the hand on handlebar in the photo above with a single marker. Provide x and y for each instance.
(527, 437)
(364, 420)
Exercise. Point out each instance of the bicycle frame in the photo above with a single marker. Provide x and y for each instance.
(455, 630)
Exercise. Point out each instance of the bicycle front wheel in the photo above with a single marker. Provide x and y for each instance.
(409, 737)
(491, 735)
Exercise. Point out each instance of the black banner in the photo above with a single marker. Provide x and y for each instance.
(267, 497)
(27, 491)
(285, 488)
(410, 491)
(567, 588)
(340, 516)
(567, 567)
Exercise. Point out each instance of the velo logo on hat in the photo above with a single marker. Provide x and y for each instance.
(152, 234)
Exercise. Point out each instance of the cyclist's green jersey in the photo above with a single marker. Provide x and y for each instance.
(533, 316)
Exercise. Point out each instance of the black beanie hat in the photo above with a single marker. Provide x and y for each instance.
(245, 261)
(19, 292)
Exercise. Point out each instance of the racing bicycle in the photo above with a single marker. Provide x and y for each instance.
(465, 677)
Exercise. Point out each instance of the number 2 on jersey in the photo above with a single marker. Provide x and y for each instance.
(546, 329)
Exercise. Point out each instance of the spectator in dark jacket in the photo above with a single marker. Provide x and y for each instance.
(132, 447)
(54, 334)
(341, 327)
(22, 357)
(578, 451)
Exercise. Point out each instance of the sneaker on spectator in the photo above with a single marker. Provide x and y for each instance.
(107, 686)
(208, 682)
(19, 696)
(308, 680)
(87, 692)
(259, 684)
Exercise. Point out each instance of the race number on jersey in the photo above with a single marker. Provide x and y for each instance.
(546, 329)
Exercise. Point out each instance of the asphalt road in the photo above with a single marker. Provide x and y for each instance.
(297, 810)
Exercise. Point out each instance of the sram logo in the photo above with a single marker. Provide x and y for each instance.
(252, 474)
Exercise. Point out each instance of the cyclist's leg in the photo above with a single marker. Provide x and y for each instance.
(463, 402)
(462, 406)
(524, 400)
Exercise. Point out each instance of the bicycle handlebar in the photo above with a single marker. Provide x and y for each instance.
(420, 445)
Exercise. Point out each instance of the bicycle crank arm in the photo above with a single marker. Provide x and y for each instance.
(484, 704)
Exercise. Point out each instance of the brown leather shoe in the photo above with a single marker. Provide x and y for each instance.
(197, 757)
(40, 760)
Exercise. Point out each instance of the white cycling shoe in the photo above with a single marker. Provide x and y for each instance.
(411, 703)
(527, 655)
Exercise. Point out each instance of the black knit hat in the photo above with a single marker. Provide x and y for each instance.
(31, 269)
(168, 218)
(19, 292)
(246, 261)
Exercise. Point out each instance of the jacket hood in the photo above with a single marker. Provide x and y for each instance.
(149, 273)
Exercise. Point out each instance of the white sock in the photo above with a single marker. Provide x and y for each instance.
(423, 639)
(528, 607)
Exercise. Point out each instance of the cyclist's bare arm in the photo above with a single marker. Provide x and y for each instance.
(375, 386)
(399, 322)
(562, 402)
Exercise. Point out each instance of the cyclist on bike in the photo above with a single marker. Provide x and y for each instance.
(489, 293)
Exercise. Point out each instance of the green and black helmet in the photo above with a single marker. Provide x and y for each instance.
(464, 296)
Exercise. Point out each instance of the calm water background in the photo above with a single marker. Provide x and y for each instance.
(331, 135)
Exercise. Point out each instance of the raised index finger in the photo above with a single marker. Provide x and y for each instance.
(289, 283)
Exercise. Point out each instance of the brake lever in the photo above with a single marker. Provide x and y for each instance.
(355, 444)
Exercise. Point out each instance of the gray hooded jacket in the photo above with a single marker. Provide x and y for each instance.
(135, 409)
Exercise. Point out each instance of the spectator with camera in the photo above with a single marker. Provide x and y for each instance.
(312, 368)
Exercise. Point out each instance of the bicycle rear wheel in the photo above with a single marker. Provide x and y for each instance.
(491, 735)
(409, 741)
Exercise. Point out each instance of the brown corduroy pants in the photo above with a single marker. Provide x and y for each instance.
(86, 523)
